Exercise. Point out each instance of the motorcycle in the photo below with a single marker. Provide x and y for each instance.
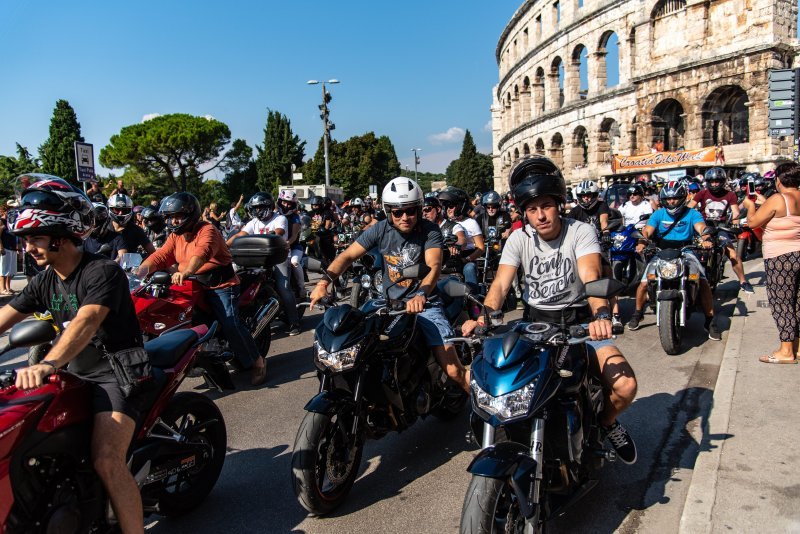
(713, 259)
(536, 413)
(367, 278)
(376, 376)
(627, 265)
(487, 265)
(674, 288)
(47, 483)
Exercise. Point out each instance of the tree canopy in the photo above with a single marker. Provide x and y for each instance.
(242, 175)
(472, 171)
(11, 167)
(58, 151)
(170, 150)
(281, 150)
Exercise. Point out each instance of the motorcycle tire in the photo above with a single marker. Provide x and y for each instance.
(669, 329)
(264, 339)
(489, 504)
(355, 295)
(312, 467)
(198, 419)
(37, 353)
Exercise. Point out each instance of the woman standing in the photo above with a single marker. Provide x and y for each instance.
(780, 216)
(8, 255)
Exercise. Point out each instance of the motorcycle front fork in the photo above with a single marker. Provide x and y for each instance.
(536, 452)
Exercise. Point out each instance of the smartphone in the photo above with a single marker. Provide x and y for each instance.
(751, 187)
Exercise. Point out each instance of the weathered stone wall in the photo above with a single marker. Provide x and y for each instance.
(710, 57)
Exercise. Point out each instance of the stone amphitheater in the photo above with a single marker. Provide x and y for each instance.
(584, 80)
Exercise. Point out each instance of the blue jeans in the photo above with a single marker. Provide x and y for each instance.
(283, 284)
(471, 274)
(225, 304)
(434, 326)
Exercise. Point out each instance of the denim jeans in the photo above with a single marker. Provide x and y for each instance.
(471, 274)
(283, 284)
(225, 304)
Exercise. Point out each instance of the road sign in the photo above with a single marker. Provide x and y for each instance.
(373, 191)
(781, 132)
(785, 113)
(297, 176)
(781, 75)
(783, 102)
(84, 161)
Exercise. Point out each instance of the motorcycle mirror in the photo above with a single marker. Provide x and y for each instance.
(31, 333)
(603, 288)
(130, 261)
(105, 249)
(614, 225)
(454, 288)
(414, 272)
(161, 278)
(636, 234)
(644, 216)
(313, 265)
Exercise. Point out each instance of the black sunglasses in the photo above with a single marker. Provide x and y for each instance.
(427, 209)
(400, 212)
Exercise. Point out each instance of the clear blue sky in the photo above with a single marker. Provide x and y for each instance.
(410, 70)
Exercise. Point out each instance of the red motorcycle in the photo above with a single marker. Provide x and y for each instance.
(47, 483)
(748, 241)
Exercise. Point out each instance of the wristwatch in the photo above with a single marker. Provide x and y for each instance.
(602, 316)
(419, 293)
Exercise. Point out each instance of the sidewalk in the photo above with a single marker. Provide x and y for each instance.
(748, 478)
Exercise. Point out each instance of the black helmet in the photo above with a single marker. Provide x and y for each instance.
(454, 196)
(716, 179)
(52, 207)
(673, 190)
(152, 218)
(635, 189)
(182, 203)
(100, 213)
(431, 200)
(535, 176)
(261, 205)
(317, 201)
(492, 198)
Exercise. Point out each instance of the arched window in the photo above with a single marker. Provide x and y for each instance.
(526, 150)
(608, 60)
(725, 116)
(580, 148)
(557, 149)
(667, 7)
(669, 20)
(557, 85)
(516, 154)
(539, 146)
(539, 93)
(608, 137)
(668, 125)
(580, 64)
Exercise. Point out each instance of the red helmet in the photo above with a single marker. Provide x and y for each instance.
(51, 206)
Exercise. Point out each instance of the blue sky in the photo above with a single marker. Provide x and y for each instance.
(420, 72)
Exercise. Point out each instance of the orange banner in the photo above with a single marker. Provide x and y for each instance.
(662, 160)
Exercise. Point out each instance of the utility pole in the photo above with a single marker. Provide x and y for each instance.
(327, 125)
(416, 161)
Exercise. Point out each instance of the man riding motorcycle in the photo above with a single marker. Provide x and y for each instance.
(457, 208)
(404, 240)
(676, 221)
(323, 222)
(717, 204)
(102, 233)
(636, 206)
(267, 221)
(494, 216)
(287, 204)
(130, 236)
(558, 255)
(199, 249)
(155, 227)
(89, 300)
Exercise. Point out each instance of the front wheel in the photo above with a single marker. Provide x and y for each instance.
(355, 295)
(669, 329)
(490, 506)
(324, 463)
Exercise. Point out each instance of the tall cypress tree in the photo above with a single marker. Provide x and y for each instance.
(472, 171)
(58, 152)
(281, 149)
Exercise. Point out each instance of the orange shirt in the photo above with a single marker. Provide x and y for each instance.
(207, 243)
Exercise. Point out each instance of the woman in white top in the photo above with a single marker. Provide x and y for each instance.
(635, 207)
(457, 206)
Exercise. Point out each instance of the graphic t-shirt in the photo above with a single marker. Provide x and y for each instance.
(683, 230)
(96, 280)
(318, 221)
(550, 268)
(715, 208)
(590, 216)
(255, 227)
(130, 239)
(401, 250)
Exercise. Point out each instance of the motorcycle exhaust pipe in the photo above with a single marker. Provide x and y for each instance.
(265, 315)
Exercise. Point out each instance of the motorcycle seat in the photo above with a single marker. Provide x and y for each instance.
(166, 350)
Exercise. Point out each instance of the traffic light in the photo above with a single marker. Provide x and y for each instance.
(416, 160)
(328, 97)
(783, 102)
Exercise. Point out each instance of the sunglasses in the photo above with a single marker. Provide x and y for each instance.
(427, 209)
(448, 205)
(492, 207)
(397, 214)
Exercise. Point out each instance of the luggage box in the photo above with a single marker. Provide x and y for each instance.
(259, 250)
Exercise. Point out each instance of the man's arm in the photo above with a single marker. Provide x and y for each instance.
(433, 259)
(9, 317)
(229, 242)
(503, 279)
(336, 268)
(480, 245)
(603, 222)
(590, 268)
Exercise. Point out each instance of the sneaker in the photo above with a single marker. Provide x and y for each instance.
(713, 330)
(294, 330)
(621, 441)
(633, 324)
(747, 288)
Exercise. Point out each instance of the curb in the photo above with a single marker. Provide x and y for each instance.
(700, 499)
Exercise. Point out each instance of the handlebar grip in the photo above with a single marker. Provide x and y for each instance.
(481, 330)
(577, 331)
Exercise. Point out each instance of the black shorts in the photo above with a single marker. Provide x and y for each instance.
(107, 396)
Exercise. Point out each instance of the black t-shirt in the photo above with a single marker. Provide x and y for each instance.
(501, 222)
(8, 239)
(591, 216)
(97, 196)
(96, 280)
(131, 238)
(318, 221)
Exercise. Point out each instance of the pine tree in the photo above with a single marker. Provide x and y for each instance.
(472, 171)
(58, 152)
(281, 150)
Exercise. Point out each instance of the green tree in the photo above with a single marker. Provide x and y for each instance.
(281, 150)
(472, 171)
(241, 173)
(169, 150)
(425, 179)
(11, 167)
(214, 191)
(58, 152)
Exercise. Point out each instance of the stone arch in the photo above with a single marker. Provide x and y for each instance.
(668, 125)
(515, 107)
(556, 85)
(525, 99)
(666, 7)
(526, 150)
(668, 19)
(539, 146)
(539, 92)
(633, 135)
(557, 149)
(608, 140)
(516, 154)
(607, 60)
(578, 75)
(579, 148)
(726, 116)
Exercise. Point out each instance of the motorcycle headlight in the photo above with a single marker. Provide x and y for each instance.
(617, 241)
(506, 406)
(670, 269)
(366, 281)
(377, 282)
(338, 361)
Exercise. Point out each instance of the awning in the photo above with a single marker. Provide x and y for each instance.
(662, 160)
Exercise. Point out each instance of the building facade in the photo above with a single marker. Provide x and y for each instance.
(584, 80)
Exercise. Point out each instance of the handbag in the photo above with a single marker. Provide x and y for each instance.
(132, 369)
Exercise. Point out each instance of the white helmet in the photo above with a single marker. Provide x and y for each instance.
(288, 195)
(401, 192)
(120, 208)
(587, 187)
(356, 202)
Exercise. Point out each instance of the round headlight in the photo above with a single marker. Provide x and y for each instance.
(619, 239)
(366, 280)
(669, 269)
(378, 281)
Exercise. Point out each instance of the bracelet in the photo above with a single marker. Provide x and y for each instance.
(51, 364)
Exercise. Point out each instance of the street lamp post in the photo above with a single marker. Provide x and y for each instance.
(327, 125)
(416, 161)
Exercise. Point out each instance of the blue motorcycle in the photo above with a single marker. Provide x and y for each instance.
(627, 265)
(536, 414)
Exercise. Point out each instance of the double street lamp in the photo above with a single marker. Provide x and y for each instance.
(327, 125)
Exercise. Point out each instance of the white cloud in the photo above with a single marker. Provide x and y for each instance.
(452, 135)
(209, 117)
(488, 126)
(150, 116)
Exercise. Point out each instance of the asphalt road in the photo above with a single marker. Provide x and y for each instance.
(415, 481)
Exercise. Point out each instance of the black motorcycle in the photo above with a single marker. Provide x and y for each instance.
(376, 376)
(536, 414)
(366, 278)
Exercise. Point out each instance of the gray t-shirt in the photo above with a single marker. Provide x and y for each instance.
(550, 268)
(401, 250)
